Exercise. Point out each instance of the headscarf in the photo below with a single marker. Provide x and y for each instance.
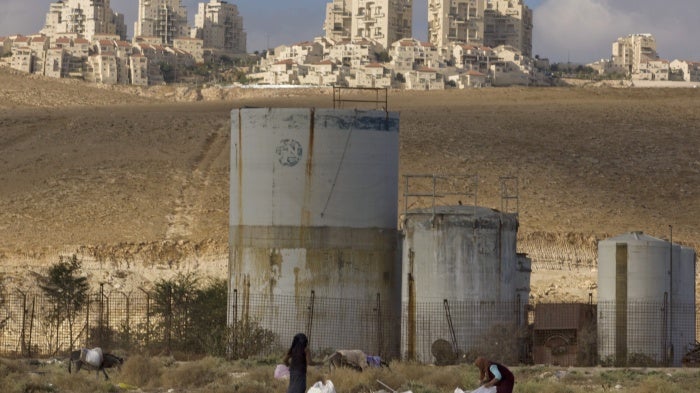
(483, 364)
(299, 343)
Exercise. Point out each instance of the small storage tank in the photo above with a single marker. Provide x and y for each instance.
(646, 289)
(313, 216)
(466, 257)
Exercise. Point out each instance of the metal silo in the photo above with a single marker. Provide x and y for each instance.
(313, 213)
(464, 257)
(642, 288)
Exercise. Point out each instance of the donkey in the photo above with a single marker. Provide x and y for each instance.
(108, 361)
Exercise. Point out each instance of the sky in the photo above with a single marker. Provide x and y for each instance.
(579, 31)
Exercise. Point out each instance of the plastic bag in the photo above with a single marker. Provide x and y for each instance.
(320, 387)
(92, 357)
(281, 372)
(481, 389)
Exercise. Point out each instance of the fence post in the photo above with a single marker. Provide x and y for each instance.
(23, 343)
(100, 322)
(148, 316)
(380, 344)
(310, 322)
(127, 328)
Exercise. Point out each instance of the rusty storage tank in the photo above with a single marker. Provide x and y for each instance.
(463, 280)
(313, 225)
(646, 300)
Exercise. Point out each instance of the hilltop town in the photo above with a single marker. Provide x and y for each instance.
(367, 43)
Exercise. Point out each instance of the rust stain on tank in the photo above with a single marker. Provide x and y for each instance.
(411, 347)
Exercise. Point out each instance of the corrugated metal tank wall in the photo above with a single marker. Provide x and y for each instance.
(638, 292)
(314, 208)
(465, 255)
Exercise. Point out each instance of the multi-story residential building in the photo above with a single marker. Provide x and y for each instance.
(456, 21)
(166, 19)
(22, 59)
(83, 17)
(511, 67)
(409, 54)
(56, 64)
(193, 46)
(690, 70)
(5, 45)
(354, 53)
(102, 68)
(220, 26)
(480, 22)
(301, 53)
(508, 22)
(652, 70)
(630, 52)
(384, 21)
(373, 75)
(322, 73)
(338, 23)
(469, 57)
(424, 78)
(138, 70)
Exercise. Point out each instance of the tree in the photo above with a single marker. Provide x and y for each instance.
(400, 78)
(383, 57)
(67, 294)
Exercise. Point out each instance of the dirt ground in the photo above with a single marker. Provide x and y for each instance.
(136, 180)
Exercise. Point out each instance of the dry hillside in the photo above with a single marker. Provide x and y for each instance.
(136, 181)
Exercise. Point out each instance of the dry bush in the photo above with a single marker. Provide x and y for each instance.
(544, 387)
(656, 384)
(141, 371)
(198, 373)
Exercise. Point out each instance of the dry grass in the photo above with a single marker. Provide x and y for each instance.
(213, 375)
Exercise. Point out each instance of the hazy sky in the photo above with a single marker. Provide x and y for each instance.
(575, 30)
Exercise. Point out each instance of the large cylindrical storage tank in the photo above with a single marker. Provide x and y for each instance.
(462, 258)
(313, 215)
(683, 312)
(638, 292)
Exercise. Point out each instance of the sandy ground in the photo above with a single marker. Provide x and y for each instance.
(136, 181)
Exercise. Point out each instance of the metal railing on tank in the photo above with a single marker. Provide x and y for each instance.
(423, 191)
(361, 95)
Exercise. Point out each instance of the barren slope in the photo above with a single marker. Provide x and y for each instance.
(129, 182)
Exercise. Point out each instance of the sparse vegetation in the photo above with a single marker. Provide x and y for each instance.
(67, 294)
(209, 374)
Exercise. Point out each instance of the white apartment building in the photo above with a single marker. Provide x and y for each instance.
(354, 53)
(424, 78)
(652, 70)
(322, 73)
(508, 22)
(689, 69)
(374, 75)
(480, 22)
(630, 52)
(384, 21)
(166, 19)
(193, 46)
(338, 23)
(83, 17)
(409, 54)
(451, 21)
(220, 26)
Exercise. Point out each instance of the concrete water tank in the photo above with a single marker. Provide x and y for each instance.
(646, 288)
(466, 257)
(313, 216)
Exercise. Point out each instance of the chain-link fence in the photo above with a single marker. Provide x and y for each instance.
(441, 331)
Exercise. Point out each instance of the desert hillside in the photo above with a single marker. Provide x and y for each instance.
(135, 179)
